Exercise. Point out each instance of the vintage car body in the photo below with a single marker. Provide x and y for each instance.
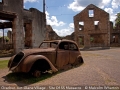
(51, 55)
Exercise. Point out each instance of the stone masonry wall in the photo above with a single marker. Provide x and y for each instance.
(31, 19)
(89, 26)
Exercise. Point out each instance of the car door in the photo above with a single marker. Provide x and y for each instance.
(74, 52)
(62, 55)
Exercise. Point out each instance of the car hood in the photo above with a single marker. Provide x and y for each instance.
(37, 50)
(26, 52)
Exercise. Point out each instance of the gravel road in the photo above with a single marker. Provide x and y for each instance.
(101, 67)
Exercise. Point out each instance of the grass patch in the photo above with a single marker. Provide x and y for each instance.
(3, 64)
(27, 78)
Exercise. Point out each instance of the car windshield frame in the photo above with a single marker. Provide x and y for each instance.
(49, 44)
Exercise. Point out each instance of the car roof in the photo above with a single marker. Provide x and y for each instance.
(51, 41)
(63, 40)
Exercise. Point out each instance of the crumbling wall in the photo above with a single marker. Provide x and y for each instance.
(16, 6)
(50, 34)
(9, 35)
(28, 27)
(38, 27)
(70, 37)
(92, 20)
(115, 34)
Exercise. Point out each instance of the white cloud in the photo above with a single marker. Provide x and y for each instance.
(31, 1)
(112, 15)
(79, 5)
(110, 10)
(112, 18)
(71, 25)
(53, 21)
(75, 6)
(9, 29)
(105, 2)
(115, 3)
(64, 32)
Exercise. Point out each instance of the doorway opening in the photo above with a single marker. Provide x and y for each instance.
(6, 34)
(28, 35)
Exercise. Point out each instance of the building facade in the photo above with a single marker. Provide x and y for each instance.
(28, 26)
(92, 26)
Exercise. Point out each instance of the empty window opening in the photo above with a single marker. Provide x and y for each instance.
(73, 47)
(91, 13)
(96, 22)
(81, 26)
(81, 41)
(27, 30)
(0, 1)
(6, 39)
(81, 23)
(64, 46)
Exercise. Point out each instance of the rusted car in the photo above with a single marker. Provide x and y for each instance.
(50, 56)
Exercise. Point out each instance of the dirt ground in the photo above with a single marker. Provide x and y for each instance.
(101, 67)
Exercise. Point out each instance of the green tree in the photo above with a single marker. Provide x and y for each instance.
(91, 39)
(117, 21)
(6, 38)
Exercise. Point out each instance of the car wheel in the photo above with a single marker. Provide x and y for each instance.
(78, 61)
(37, 73)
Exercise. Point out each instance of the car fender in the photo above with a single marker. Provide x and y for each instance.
(79, 60)
(10, 61)
(27, 63)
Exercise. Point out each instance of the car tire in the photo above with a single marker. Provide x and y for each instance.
(37, 73)
(78, 61)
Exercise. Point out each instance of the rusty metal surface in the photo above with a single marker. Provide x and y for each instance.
(57, 58)
(27, 63)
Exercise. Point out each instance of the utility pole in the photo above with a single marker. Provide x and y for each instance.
(3, 37)
(43, 6)
(44, 18)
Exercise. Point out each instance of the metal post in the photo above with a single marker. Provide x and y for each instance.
(44, 18)
(3, 38)
(43, 6)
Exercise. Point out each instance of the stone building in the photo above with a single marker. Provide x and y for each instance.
(28, 26)
(70, 37)
(115, 35)
(9, 35)
(51, 34)
(92, 25)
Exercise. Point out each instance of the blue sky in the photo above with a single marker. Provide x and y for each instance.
(59, 13)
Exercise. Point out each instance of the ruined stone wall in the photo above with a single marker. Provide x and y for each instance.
(28, 27)
(89, 26)
(9, 35)
(115, 34)
(16, 6)
(38, 27)
(50, 34)
(70, 37)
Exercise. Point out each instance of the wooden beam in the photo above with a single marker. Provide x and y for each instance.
(7, 15)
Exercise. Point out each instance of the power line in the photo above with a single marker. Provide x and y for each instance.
(62, 14)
